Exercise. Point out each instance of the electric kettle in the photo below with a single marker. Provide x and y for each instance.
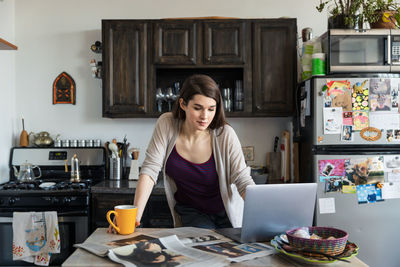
(25, 173)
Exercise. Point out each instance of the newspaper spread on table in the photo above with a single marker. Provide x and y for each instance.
(185, 246)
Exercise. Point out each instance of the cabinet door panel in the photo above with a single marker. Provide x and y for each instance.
(274, 66)
(224, 42)
(175, 43)
(102, 203)
(124, 60)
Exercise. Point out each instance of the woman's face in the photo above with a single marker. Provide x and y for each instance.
(200, 111)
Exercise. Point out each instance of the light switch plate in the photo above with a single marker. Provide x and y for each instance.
(248, 152)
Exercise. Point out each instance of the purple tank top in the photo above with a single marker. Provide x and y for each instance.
(197, 184)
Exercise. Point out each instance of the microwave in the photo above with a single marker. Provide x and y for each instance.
(374, 50)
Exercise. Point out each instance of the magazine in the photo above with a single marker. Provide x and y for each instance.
(165, 251)
(184, 246)
(236, 252)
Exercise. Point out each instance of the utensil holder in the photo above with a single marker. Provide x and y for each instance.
(115, 169)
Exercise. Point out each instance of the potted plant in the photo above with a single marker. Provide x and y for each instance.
(382, 13)
(343, 13)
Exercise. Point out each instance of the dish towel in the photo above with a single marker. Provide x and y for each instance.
(35, 236)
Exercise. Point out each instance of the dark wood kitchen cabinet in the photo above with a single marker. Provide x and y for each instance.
(155, 215)
(274, 66)
(183, 42)
(140, 56)
(125, 68)
(224, 42)
(175, 42)
(102, 203)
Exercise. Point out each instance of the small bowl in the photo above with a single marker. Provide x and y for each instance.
(334, 246)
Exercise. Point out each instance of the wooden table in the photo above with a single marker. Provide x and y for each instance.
(83, 258)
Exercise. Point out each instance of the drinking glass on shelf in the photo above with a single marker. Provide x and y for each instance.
(160, 97)
(227, 98)
(177, 88)
(170, 97)
(239, 95)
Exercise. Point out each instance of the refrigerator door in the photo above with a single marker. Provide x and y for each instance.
(319, 138)
(374, 227)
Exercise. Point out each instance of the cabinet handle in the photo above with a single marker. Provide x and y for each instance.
(258, 107)
(141, 108)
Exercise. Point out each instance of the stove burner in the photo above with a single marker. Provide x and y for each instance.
(35, 185)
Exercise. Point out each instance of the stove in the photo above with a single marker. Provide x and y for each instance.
(53, 191)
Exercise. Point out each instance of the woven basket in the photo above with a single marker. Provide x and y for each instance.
(328, 246)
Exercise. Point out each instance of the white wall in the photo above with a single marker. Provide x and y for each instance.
(54, 36)
(7, 87)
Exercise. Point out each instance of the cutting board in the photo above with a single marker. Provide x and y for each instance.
(274, 167)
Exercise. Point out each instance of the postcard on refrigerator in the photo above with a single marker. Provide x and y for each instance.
(333, 120)
(360, 120)
(333, 185)
(347, 133)
(368, 193)
(395, 97)
(393, 176)
(340, 93)
(389, 135)
(380, 94)
(326, 205)
(349, 189)
(347, 118)
(396, 135)
(392, 162)
(390, 190)
(384, 120)
(359, 96)
(364, 171)
(331, 168)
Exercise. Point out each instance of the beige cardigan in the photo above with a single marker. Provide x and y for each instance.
(233, 173)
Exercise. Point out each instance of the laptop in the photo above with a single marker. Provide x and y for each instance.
(272, 209)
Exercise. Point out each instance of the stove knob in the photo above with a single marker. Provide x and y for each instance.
(11, 201)
(54, 200)
(66, 200)
(1, 201)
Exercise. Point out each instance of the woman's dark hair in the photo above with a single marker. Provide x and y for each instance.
(200, 84)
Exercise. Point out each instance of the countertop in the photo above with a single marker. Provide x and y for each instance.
(124, 187)
(83, 258)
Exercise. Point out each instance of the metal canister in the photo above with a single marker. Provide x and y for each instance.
(89, 143)
(74, 143)
(65, 143)
(306, 34)
(57, 143)
(97, 143)
(81, 143)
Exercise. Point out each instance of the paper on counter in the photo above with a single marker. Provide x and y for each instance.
(384, 120)
(326, 205)
(390, 190)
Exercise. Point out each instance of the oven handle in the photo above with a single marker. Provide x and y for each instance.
(72, 213)
(7, 217)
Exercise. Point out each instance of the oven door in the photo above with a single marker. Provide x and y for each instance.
(73, 228)
(359, 51)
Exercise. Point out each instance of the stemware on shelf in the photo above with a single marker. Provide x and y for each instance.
(160, 97)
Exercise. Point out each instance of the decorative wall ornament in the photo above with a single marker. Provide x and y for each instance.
(64, 89)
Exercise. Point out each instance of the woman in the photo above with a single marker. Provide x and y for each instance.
(205, 175)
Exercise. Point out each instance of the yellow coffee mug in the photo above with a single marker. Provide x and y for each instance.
(125, 216)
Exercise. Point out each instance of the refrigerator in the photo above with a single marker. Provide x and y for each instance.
(356, 166)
